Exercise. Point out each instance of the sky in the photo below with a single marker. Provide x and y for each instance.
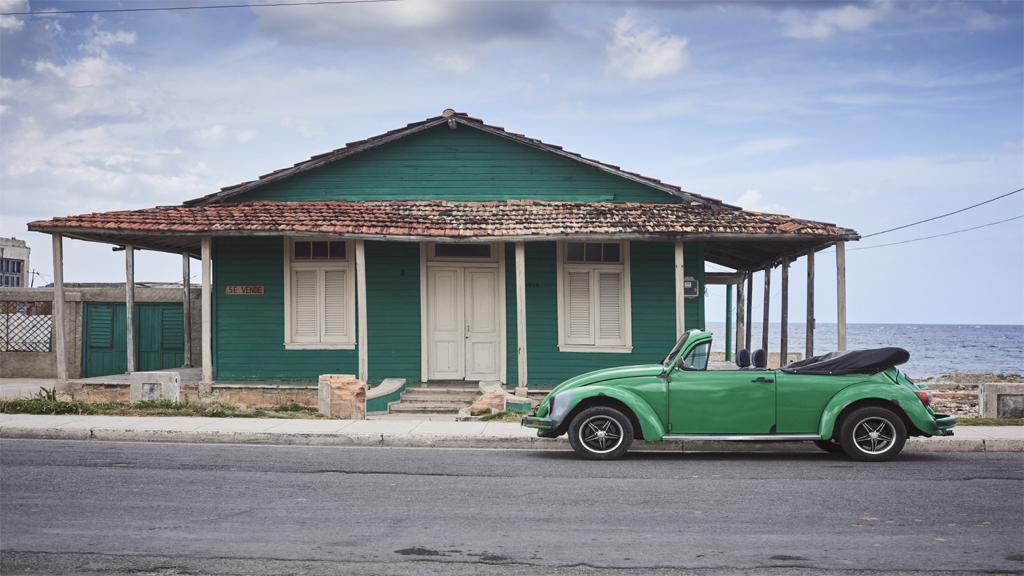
(870, 115)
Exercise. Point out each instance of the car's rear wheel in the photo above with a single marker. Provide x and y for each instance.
(830, 446)
(873, 434)
(600, 433)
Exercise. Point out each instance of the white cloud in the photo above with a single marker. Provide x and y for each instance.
(751, 200)
(824, 24)
(643, 53)
(219, 135)
(12, 23)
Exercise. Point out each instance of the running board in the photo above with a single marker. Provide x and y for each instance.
(743, 437)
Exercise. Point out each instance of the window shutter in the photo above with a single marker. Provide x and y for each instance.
(335, 317)
(580, 328)
(609, 311)
(304, 306)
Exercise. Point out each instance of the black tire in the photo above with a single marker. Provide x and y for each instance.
(873, 434)
(830, 446)
(600, 433)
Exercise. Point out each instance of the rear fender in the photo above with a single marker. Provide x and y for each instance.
(902, 401)
(650, 425)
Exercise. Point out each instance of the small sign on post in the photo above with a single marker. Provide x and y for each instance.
(245, 291)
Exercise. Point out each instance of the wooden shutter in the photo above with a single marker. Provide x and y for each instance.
(304, 326)
(579, 314)
(335, 306)
(609, 308)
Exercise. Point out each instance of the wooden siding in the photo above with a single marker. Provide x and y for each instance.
(393, 310)
(462, 164)
(652, 283)
(249, 330)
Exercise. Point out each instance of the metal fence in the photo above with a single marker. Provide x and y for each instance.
(26, 326)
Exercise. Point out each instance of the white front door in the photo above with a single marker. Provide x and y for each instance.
(463, 323)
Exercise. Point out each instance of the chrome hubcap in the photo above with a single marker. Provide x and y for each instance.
(874, 435)
(600, 434)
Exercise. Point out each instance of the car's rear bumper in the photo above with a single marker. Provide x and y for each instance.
(945, 422)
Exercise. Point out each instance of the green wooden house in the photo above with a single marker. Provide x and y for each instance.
(450, 250)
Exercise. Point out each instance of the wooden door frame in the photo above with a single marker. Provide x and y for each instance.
(499, 250)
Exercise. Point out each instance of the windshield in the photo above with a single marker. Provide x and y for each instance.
(675, 349)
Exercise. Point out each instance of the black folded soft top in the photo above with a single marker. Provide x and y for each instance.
(850, 362)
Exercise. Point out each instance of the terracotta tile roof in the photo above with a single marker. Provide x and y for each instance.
(450, 117)
(444, 219)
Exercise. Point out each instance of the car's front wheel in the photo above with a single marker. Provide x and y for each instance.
(873, 434)
(600, 433)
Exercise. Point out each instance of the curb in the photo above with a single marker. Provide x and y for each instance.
(451, 441)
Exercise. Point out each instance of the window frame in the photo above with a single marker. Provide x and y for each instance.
(625, 342)
(321, 267)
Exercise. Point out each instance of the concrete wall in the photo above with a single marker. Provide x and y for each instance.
(44, 364)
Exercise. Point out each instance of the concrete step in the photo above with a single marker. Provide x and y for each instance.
(425, 408)
(464, 399)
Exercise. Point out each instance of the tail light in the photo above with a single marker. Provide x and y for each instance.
(925, 396)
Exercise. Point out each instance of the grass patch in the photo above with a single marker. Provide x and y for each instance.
(45, 402)
(507, 416)
(989, 422)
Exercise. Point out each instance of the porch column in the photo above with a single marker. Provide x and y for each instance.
(784, 347)
(521, 314)
(750, 309)
(841, 294)
(741, 312)
(728, 322)
(207, 314)
(767, 303)
(59, 342)
(680, 291)
(129, 294)
(364, 357)
(186, 309)
(809, 351)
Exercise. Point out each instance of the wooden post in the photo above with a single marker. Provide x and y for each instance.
(750, 309)
(767, 303)
(207, 297)
(59, 337)
(521, 315)
(680, 291)
(809, 351)
(129, 292)
(186, 308)
(364, 355)
(728, 322)
(784, 345)
(741, 313)
(841, 294)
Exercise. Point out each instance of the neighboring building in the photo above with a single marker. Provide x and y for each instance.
(14, 260)
(451, 250)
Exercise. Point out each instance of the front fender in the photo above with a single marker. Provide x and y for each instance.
(650, 425)
(903, 398)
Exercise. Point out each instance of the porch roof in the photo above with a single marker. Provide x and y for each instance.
(738, 239)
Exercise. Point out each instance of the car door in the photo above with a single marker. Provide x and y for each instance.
(705, 401)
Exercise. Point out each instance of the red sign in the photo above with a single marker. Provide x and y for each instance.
(245, 290)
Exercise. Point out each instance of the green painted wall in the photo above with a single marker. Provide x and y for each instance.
(652, 284)
(393, 310)
(462, 164)
(249, 330)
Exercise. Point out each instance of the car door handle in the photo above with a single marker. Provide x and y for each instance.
(763, 380)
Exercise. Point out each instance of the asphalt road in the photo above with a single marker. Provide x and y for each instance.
(105, 508)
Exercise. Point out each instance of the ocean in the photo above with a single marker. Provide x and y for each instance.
(935, 349)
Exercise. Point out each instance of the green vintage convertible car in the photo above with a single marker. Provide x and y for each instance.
(855, 402)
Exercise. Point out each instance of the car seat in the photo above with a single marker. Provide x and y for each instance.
(743, 359)
(759, 359)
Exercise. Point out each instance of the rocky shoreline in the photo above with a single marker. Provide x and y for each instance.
(957, 393)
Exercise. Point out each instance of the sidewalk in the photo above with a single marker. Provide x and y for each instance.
(414, 434)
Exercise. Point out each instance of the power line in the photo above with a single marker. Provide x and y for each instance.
(170, 8)
(937, 217)
(937, 235)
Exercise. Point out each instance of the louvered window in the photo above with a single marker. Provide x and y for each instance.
(594, 303)
(321, 306)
